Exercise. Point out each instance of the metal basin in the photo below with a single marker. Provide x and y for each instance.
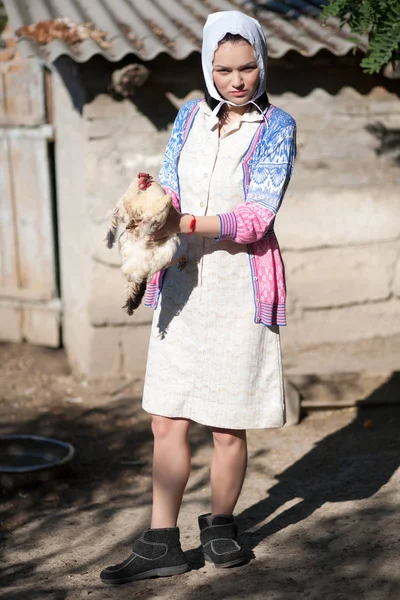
(28, 453)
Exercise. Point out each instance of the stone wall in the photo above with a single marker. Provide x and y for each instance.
(339, 226)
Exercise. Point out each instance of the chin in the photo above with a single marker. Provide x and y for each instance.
(239, 101)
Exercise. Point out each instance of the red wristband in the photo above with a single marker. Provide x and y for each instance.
(192, 225)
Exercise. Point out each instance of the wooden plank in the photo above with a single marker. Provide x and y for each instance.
(44, 132)
(34, 322)
(48, 85)
(8, 243)
(10, 120)
(2, 98)
(33, 217)
(345, 390)
(10, 324)
(327, 405)
(23, 93)
(41, 327)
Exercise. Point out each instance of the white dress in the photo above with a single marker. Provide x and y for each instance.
(208, 361)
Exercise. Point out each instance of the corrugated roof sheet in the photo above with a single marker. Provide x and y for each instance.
(147, 28)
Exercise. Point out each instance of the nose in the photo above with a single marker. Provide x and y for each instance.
(237, 81)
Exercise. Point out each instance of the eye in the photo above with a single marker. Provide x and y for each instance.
(249, 69)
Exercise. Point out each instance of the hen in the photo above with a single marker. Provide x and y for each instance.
(143, 211)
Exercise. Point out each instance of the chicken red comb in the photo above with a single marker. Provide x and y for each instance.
(145, 181)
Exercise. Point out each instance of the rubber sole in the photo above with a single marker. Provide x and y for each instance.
(161, 572)
(231, 563)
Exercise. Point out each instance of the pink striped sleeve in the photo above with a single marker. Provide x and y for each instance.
(245, 224)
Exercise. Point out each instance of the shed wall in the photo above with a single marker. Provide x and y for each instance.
(339, 227)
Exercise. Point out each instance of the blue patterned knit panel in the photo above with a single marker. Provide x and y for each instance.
(270, 165)
(272, 161)
(169, 173)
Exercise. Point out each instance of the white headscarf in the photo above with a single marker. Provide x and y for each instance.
(235, 22)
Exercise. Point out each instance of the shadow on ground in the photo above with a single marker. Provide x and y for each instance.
(351, 464)
(112, 471)
(351, 550)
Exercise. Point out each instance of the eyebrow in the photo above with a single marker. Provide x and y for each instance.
(250, 64)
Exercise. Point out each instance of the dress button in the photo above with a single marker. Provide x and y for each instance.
(205, 175)
(201, 204)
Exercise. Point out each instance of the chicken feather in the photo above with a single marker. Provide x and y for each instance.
(142, 211)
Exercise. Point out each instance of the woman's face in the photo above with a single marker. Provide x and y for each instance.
(235, 71)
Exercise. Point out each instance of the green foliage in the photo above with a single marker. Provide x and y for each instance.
(379, 19)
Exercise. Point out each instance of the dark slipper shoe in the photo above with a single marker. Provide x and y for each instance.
(157, 553)
(218, 535)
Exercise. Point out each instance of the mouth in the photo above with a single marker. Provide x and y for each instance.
(239, 94)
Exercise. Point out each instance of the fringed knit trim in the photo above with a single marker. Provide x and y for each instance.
(150, 298)
(228, 226)
(272, 314)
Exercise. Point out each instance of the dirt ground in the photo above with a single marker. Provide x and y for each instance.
(319, 506)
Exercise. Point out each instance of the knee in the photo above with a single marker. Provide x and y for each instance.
(229, 438)
(164, 428)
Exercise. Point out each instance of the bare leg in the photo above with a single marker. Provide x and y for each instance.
(171, 469)
(228, 469)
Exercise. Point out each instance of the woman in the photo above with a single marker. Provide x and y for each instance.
(214, 354)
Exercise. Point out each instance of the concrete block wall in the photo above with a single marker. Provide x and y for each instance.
(92, 171)
(339, 226)
(120, 142)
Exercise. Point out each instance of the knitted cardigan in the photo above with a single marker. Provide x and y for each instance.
(267, 167)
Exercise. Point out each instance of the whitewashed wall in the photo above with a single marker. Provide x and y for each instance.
(339, 227)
